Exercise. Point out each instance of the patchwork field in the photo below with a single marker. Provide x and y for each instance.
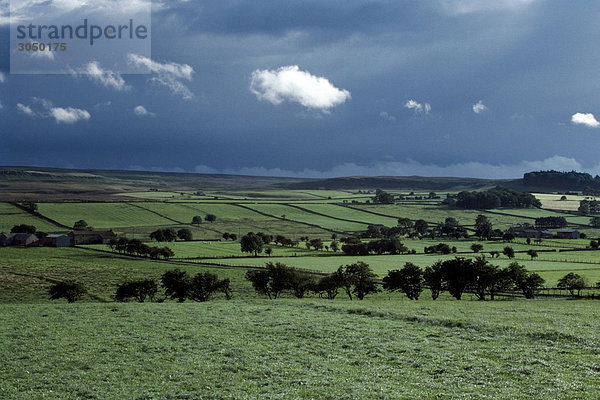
(11, 216)
(384, 347)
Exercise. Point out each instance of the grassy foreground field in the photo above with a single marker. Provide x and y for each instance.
(301, 349)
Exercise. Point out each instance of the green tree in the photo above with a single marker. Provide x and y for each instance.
(476, 247)
(383, 197)
(421, 226)
(330, 284)
(202, 286)
(138, 290)
(158, 235)
(69, 289)
(260, 281)
(166, 253)
(408, 280)
(358, 279)
(317, 244)
(176, 284)
(509, 252)
(197, 220)
(458, 274)
(334, 246)
(30, 206)
(273, 280)
(572, 282)
(532, 253)
(595, 222)
(434, 279)
(210, 218)
(483, 227)
(405, 225)
(22, 228)
(81, 225)
(251, 243)
(528, 283)
(300, 282)
(185, 234)
(488, 279)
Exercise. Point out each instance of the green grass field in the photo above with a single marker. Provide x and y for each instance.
(301, 349)
(11, 216)
(295, 214)
(101, 215)
(384, 347)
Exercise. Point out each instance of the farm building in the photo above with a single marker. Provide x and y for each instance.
(532, 233)
(568, 234)
(56, 241)
(91, 237)
(18, 239)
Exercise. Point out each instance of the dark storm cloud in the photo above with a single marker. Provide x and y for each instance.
(533, 64)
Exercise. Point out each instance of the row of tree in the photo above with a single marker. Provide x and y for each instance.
(139, 248)
(495, 198)
(380, 246)
(454, 276)
(197, 219)
(177, 284)
(355, 279)
(171, 235)
(459, 275)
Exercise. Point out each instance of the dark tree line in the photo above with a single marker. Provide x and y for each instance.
(171, 235)
(381, 246)
(354, 279)
(562, 180)
(496, 197)
(139, 248)
(550, 222)
(459, 275)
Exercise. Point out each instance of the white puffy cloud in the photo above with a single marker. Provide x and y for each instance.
(28, 10)
(107, 78)
(585, 119)
(418, 108)
(479, 107)
(68, 115)
(141, 111)
(291, 84)
(166, 74)
(25, 109)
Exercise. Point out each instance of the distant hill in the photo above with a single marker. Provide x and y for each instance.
(39, 183)
(398, 183)
(25, 183)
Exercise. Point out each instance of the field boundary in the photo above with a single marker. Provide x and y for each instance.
(40, 216)
(286, 219)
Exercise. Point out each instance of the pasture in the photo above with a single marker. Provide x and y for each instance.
(384, 347)
(301, 349)
(11, 216)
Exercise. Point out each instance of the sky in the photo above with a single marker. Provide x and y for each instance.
(469, 88)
